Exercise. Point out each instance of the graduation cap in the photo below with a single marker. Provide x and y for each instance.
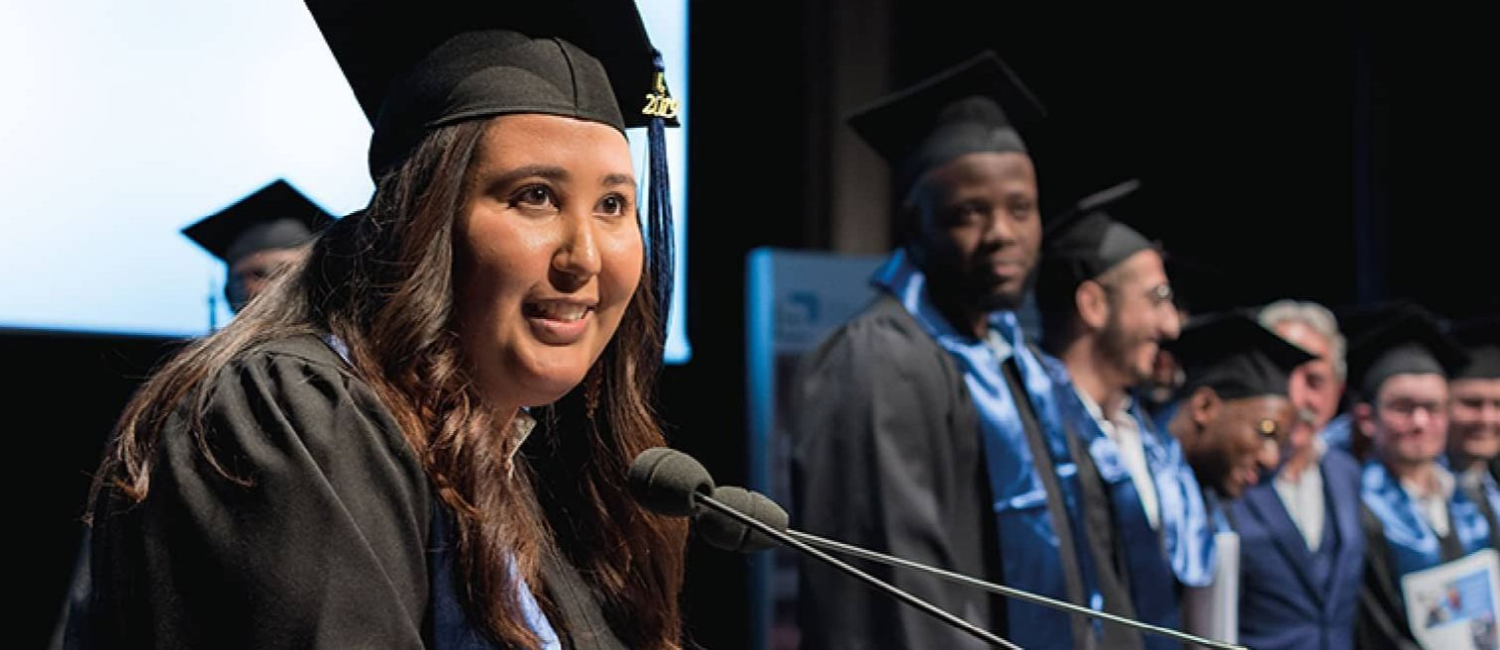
(415, 66)
(1084, 242)
(1480, 338)
(1358, 320)
(1235, 356)
(1405, 340)
(275, 216)
(971, 108)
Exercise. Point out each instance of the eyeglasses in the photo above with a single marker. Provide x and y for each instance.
(1161, 294)
(1158, 295)
(1406, 408)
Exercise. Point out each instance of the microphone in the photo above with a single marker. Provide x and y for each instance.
(727, 532)
(724, 532)
(664, 480)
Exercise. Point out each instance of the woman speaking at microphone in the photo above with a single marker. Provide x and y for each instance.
(418, 438)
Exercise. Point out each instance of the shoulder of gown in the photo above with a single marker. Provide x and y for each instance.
(887, 455)
(310, 532)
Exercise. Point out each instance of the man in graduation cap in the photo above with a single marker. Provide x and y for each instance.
(1106, 307)
(1300, 542)
(1234, 415)
(258, 236)
(1356, 322)
(1232, 420)
(1416, 515)
(1474, 415)
(925, 427)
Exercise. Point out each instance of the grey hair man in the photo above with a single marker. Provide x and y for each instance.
(1301, 547)
(1316, 386)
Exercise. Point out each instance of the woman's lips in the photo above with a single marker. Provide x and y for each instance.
(558, 322)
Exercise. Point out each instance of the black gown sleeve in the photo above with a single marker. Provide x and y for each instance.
(323, 548)
(887, 456)
(1380, 620)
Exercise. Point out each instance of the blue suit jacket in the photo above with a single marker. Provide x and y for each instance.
(1281, 603)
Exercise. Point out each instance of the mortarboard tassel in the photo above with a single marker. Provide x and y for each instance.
(659, 207)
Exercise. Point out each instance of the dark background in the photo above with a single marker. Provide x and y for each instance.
(1341, 155)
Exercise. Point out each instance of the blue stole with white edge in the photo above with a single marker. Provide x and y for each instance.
(1029, 543)
(1190, 538)
(1413, 544)
(1182, 549)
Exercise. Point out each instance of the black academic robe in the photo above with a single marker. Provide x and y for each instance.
(887, 455)
(330, 545)
(1381, 622)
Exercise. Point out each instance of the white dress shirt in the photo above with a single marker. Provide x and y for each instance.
(1434, 505)
(1122, 428)
(1303, 498)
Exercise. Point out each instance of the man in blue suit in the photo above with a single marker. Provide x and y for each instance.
(1301, 548)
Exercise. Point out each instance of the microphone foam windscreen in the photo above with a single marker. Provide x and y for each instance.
(722, 531)
(664, 480)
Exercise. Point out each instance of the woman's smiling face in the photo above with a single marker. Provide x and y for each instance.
(549, 253)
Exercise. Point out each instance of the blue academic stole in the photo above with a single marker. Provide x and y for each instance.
(1029, 544)
(450, 627)
(1412, 543)
(1152, 557)
(449, 624)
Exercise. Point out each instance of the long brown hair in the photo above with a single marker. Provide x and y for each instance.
(382, 281)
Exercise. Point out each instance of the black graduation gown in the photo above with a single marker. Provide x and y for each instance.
(1380, 622)
(329, 547)
(887, 455)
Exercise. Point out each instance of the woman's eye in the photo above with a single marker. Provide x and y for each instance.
(535, 196)
(613, 205)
